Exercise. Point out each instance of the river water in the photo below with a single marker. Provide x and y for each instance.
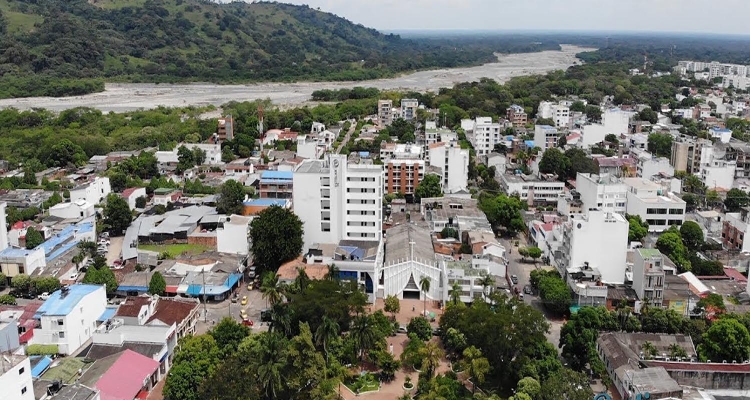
(122, 97)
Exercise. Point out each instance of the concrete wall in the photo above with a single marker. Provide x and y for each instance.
(712, 380)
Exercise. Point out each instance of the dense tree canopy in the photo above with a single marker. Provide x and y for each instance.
(276, 236)
(117, 214)
(429, 187)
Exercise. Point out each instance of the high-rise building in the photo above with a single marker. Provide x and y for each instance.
(484, 135)
(409, 109)
(517, 116)
(403, 175)
(385, 112)
(225, 130)
(453, 162)
(338, 201)
(545, 136)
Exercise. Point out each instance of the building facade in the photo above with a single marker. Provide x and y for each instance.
(602, 192)
(336, 200)
(403, 176)
(69, 317)
(453, 162)
(276, 185)
(545, 136)
(409, 109)
(484, 135)
(15, 377)
(734, 230)
(385, 112)
(658, 207)
(648, 276)
(517, 116)
(93, 192)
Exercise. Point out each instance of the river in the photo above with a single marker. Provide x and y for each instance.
(122, 97)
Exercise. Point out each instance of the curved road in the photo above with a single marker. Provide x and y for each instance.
(121, 97)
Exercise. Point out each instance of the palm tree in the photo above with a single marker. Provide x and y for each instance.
(77, 260)
(333, 272)
(675, 351)
(424, 285)
(281, 320)
(327, 332)
(363, 334)
(476, 365)
(431, 355)
(270, 362)
(455, 292)
(649, 350)
(487, 282)
(302, 280)
(270, 288)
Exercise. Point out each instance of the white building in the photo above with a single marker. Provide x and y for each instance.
(718, 174)
(400, 151)
(336, 200)
(484, 135)
(409, 109)
(614, 121)
(453, 162)
(385, 112)
(93, 192)
(309, 146)
(545, 136)
(655, 205)
(602, 192)
(74, 210)
(15, 377)
(15, 261)
(132, 194)
(409, 257)
(599, 240)
(721, 134)
(533, 189)
(69, 317)
(560, 113)
(648, 276)
(3, 227)
(232, 236)
(648, 165)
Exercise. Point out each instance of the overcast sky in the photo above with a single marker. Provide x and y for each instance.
(700, 16)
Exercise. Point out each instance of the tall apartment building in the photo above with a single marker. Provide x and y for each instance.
(400, 151)
(225, 128)
(517, 116)
(338, 201)
(597, 240)
(655, 205)
(453, 162)
(385, 112)
(602, 192)
(484, 135)
(409, 109)
(545, 136)
(686, 154)
(403, 175)
(15, 377)
(736, 226)
(614, 121)
(558, 112)
(69, 317)
(648, 276)
(532, 189)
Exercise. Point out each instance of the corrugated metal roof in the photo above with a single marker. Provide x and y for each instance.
(126, 376)
(59, 305)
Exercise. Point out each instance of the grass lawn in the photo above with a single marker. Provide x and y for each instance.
(365, 383)
(174, 250)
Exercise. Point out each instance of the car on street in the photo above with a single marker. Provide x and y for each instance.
(527, 289)
(514, 279)
(244, 300)
(243, 314)
(402, 329)
(43, 296)
(235, 298)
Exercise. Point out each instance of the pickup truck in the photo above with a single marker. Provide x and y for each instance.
(43, 296)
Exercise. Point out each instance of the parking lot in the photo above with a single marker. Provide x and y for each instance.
(219, 310)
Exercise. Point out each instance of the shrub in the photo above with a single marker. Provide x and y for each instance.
(42, 350)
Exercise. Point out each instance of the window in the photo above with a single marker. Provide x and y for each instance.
(60, 322)
(23, 390)
(61, 334)
(21, 370)
(676, 211)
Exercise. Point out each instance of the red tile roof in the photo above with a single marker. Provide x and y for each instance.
(734, 274)
(127, 192)
(124, 379)
(288, 271)
(172, 311)
(132, 306)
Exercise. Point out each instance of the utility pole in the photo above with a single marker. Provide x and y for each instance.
(205, 306)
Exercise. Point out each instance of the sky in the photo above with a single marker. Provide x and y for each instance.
(578, 15)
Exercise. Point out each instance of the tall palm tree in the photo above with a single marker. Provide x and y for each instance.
(363, 334)
(302, 280)
(333, 272)
(327, 332)
(270, 362)
(455, 292)
(77, 260)
(487, 282)
(476, 365)
(431, 355)
(281, 319)
(424, 285)
(270, 288)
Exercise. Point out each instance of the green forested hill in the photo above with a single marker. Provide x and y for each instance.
(51, 47)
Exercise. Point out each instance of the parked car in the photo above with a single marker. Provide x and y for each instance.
(43, 296)
(235, 298)
(514, 279)
(402, 329)
(244, 300)
(73, 276)
(527, 289)
(243, 315)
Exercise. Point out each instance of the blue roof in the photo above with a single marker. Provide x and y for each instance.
(58, 305)
(123, 288)
(39, 365)
(721, 130)
(50, 247)
(14, 252)
(266, 202)
(198, 290)
(364, 154)
(276, 174)
(529, 143)
(108, 313)
(546, 126)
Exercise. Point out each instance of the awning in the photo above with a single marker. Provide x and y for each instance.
(123, 288)
(171, 289)
(41, 366)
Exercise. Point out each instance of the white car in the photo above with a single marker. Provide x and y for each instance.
(43, 296)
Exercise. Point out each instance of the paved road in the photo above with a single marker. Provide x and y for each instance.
(218, 311)
(348, 136)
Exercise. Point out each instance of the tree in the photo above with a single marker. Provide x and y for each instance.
(424, 286)
(670, 243)
(504, 211)
(647, 114)
(691, 201)
(530, 386)
(304, 373)
(270, 288)
(554, 162)
(231, 195)
(327, 332)
(476, 365)
(21, 283)
(429, 187)
(420, 327)
(637, 228)
(712, 198)
(455, 292)
(660, 144)
(3, 280)
(157, 285)
(33, 238)
(555, 294)
(578, 106)
(534, 253)
(228, 334)
(7, 299)
(580, 162)
(140, 202)
(392, 305)
(333, 273)
(117, 214)
(692, 235)
(736, 199)
(195, 361)
(693, 184)
(276, 235)
(726, 340)
(29, 178)
(362, 334)
(45, 284)
(449, 232)
(269, 358)
(566, 384)
(611, 138)
(431, 355)
(101, 276)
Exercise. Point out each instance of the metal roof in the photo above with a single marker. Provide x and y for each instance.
(57, 304)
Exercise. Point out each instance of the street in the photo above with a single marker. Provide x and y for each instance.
(348, 135)
(219, 310)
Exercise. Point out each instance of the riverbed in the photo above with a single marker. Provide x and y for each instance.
(122, 97)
